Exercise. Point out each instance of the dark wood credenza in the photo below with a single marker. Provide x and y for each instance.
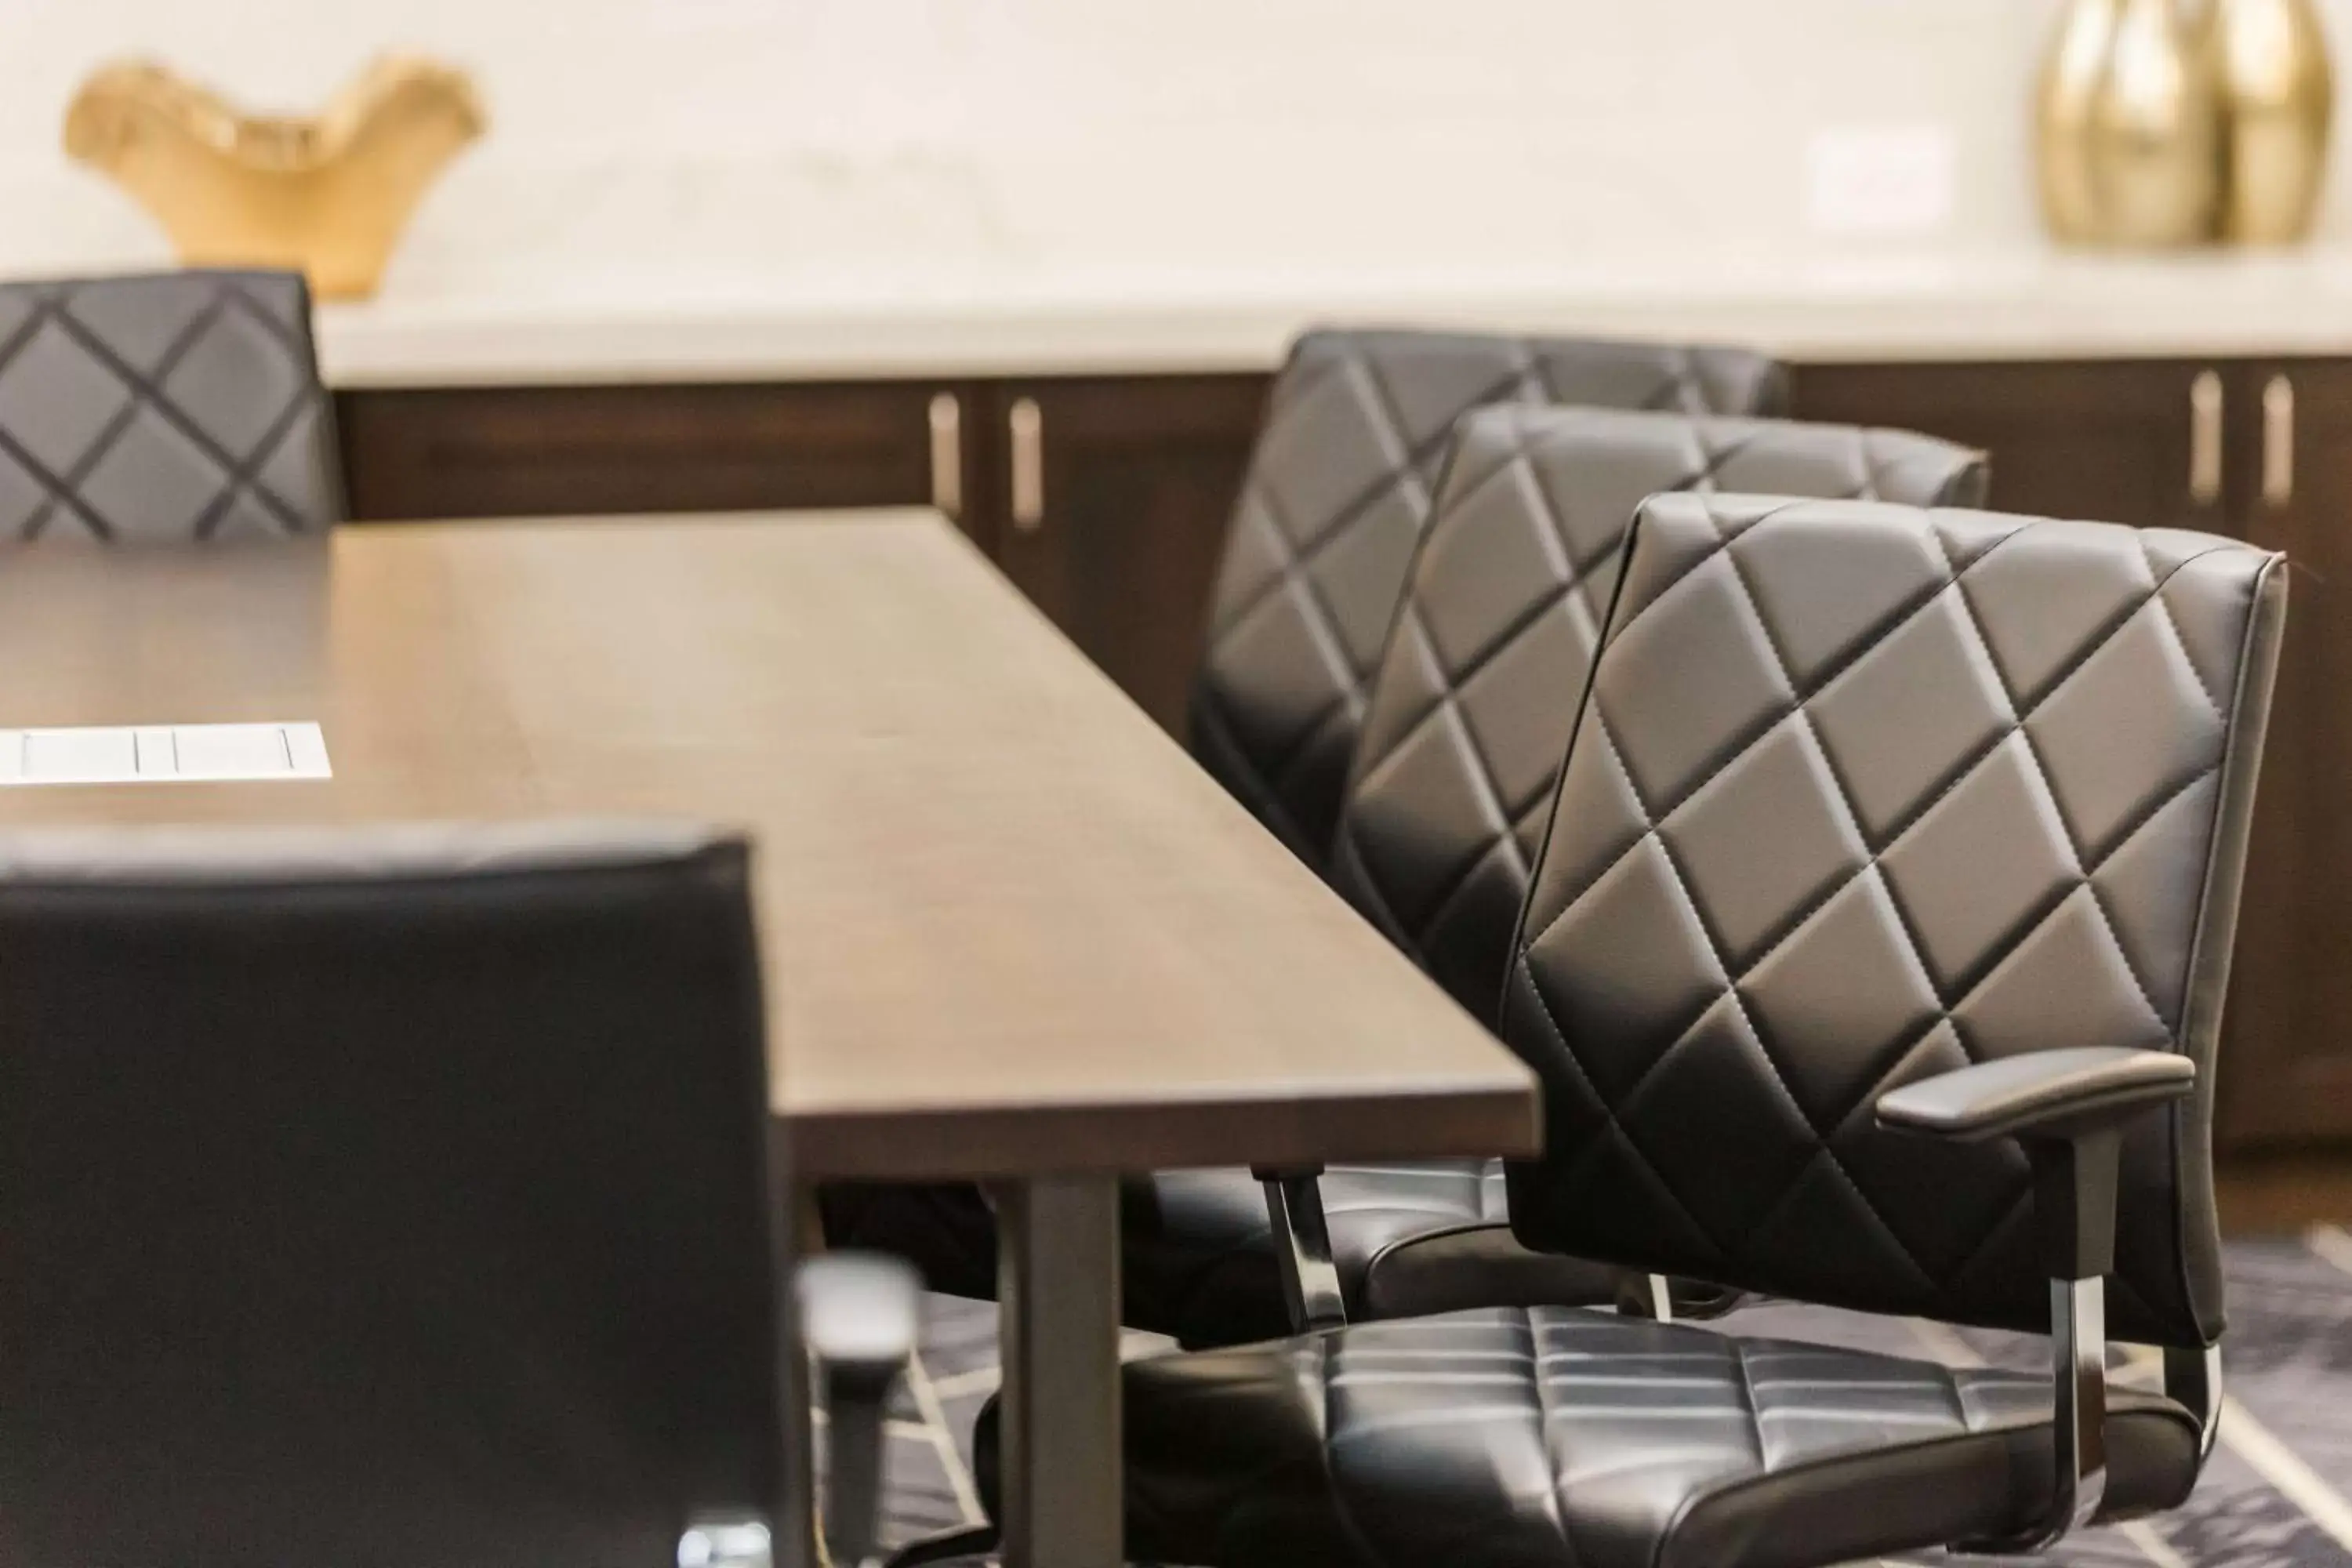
(1106, 499)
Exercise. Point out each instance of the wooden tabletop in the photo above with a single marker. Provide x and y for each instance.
(1008, 926)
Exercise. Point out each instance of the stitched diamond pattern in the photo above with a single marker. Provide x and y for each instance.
(1477, 689)
(1861, 792)
(173, 407)
(1336, 494)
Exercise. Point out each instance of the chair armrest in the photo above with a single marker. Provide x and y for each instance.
(859, 1314)
(2044, 1094)
(1302, 1248)
(2068, 1109)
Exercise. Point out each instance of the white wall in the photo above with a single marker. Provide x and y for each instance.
(862, 137)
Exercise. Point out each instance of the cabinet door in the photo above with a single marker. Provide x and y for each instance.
(2286, 1062)
(2116, 440)
(1109, 499)
(570, 450)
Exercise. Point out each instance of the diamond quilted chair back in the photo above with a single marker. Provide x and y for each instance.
(1861, 792)
(171, 408)
(1337, 490)
(1478, 687)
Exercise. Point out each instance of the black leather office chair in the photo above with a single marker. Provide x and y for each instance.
(1447, 794)
(163, 408)
(1875, 956)
(396, 1196)
(1338, 489)
(1464, 724)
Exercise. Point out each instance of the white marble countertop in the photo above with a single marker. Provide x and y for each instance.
(708, 326)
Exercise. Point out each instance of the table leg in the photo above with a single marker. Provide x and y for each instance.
(1059, 1451)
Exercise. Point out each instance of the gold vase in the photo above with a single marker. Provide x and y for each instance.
(2129, 123)
(329, 195)
(2278, 98)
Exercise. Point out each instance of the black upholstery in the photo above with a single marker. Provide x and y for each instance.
(1406, 1237)
(1337, 490)
(1561, 1436)
(163, 408)
(1858, 792)
(1478, 687)
(387, 1196)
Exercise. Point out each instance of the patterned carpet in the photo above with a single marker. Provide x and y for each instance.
(2277, 1493)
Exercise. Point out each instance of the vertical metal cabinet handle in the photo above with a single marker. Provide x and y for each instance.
(1027, 427)
(2278, 442)
(2205, 439)
(947, 454)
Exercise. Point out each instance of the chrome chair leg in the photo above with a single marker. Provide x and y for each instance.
(1645, 1296)
(859, 1316)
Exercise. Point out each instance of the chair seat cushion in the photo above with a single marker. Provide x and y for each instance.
(1200, 1263)
(1407, 1239)
(1548, 1436)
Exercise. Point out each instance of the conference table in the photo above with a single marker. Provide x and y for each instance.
(1009, 931)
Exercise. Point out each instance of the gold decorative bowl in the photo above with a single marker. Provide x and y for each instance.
(329, 195)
